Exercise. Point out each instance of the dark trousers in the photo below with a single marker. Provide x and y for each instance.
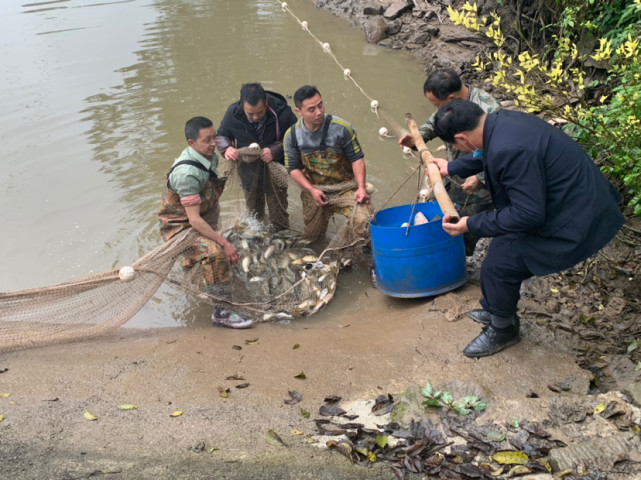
(502, 272)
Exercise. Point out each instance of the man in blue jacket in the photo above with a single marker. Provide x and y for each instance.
(260, 117)
(553, 207)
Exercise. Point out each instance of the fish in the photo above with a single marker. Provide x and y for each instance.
(269, 251)
(245, 263)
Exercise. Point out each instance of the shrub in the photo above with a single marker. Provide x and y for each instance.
(595, 85)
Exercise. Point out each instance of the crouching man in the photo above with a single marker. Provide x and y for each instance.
(191, 199)
(553, 207)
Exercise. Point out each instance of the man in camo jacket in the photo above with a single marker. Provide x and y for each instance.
(470, 194)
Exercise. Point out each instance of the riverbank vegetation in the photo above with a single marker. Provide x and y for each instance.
(576, 62)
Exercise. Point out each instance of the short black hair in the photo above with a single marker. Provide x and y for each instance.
(303, 93)
(455, 117)
(442, 83)
(252, 93)
(195, 125)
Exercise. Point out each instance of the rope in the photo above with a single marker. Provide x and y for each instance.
(374, 104)
(347, 73)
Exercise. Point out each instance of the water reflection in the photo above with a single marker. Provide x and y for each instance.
(110, 93)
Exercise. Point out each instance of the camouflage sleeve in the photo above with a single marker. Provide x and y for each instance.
(427, 129)
(291, 154)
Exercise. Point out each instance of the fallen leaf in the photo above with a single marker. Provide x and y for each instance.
(293, 431)
(237, 347)
(344, 326)
(510, 458)
(330, 411)
(242, 385)
(274, 439)
(599, 408)
(304, 413)
(332, 399)
(1, 418)
(177, 413)
(235, 376)
(296, 345)
(127, 406)
(301, 375)
(383, 405)
(251, 342)
(554, 290)
(382, 440)
(223, 391)
(90, 416)
(213, 449)
(4, 395)
(518, 470)
(295, 397)
(309, 439)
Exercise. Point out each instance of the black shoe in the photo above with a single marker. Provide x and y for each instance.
(491, 341)
(485, 318)
(480, 316)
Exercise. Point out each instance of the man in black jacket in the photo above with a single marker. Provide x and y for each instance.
(553, 207)
(260, 117)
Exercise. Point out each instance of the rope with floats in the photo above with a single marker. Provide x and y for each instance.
(375, 106)
(423, 193)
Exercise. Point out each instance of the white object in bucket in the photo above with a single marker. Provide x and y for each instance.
(420, 219)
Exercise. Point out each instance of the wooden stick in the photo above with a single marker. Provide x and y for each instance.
(433, 172)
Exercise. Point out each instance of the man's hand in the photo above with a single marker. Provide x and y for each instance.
(471, 184)
(406, 140)
(231, 253)
(232, 154)
(266, 155)
(455, 229)
(320, 199)
(361, 196)
(441, 163)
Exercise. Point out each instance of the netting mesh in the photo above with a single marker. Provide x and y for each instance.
(288, 267)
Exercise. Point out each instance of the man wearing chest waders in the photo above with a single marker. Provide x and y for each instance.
(191, 199)
(259, 118)
(322, 151)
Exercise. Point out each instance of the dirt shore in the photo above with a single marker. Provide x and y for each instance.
(381, 345)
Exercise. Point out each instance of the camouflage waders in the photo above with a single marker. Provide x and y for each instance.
(330, 168)
(173, 219)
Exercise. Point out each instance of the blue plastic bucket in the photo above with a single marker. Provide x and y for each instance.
(427, 261)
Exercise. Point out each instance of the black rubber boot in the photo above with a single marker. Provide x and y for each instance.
(492, 340)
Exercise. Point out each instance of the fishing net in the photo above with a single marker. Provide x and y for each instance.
(288, 268)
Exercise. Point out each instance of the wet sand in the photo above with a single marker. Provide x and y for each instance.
(381, 345)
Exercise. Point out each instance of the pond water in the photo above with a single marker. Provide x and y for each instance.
(94, 97)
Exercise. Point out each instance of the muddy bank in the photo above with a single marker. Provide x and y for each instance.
(380, 346)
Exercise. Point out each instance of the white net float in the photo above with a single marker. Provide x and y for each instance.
(127, 273)
(347, 72)
(304, 24)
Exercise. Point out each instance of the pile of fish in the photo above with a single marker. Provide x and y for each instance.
(279, 271)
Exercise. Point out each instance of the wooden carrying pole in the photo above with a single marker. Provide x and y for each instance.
(433, 172)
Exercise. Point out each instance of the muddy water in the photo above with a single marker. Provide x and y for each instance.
(93, 100)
